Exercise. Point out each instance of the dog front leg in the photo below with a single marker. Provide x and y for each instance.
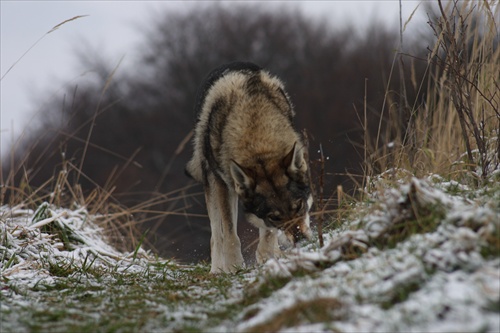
(225, 246)
(268, 245)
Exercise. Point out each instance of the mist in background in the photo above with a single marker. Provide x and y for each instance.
(115, 28)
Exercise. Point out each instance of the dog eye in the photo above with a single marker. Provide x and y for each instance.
(299, 204)
(273, 217)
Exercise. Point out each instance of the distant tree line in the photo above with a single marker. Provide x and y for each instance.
(131, 127)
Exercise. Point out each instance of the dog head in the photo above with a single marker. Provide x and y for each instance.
(275, 193)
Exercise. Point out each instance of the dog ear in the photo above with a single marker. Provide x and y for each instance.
(242, 180)
(295, 160)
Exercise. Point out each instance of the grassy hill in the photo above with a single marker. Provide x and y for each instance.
(416, 255)
(417, 248)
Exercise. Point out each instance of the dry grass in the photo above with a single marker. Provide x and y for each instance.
(54, 28)
(122, 224)
(455, 131)
(59, 190)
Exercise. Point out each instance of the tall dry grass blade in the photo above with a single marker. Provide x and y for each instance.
(409, 18)
(38, 41)
(92, 124)
(168, 166)
(367, 168)
(384, 103)
(57, 26)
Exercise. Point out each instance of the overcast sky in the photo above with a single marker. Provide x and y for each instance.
(112, 28)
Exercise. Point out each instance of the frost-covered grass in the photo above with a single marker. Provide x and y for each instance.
(413, 255)
(416, 255)
(49, 284)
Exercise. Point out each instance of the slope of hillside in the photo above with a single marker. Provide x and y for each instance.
(417, 255)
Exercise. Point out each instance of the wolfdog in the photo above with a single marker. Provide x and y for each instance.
(246, 148)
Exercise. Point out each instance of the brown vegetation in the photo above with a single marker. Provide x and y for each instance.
(123, 134)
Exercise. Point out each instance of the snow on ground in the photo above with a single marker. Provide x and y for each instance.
(436, 281)
(34, 243)
(420, 255)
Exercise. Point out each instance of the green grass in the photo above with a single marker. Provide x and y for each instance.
(400, 294)
(418, 222)
(77, 289)
(86, 300)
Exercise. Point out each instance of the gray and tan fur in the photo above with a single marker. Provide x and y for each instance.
(245, 147)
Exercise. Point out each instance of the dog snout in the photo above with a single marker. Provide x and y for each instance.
(298, 233)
